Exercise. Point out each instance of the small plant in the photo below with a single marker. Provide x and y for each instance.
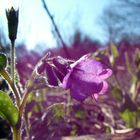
(82, 78)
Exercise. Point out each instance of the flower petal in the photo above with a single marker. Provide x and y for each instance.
(66, 81)
(61, 64)
(95, 96)
(81, 89)
(88, 65)
(103, 91)
(41, 68)
(85, 76)
(51, 77)
(58, 74)
(105, 74)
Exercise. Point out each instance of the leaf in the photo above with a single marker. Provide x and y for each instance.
(114, 53)
(3, 61)
(58, 110)
(80, 114)
(114, 50)
(130, 118)
(129, 67)
(117, 93)
(7, 109)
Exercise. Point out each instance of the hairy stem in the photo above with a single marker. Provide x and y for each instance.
(13, 87)
(13, 61)
(23, 102)
(28, 89)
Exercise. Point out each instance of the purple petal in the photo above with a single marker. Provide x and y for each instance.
(85, 76)
(58, 74)
(105, 74)
(88, 65)
(51, 77)
(77, 94)
(88, 70)
(41, 68)
(61, 64)
(103, 91)
(78, 61)
(80, 89)
(66, 81)
(95, 96)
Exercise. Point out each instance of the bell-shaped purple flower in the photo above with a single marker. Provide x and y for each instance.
(86, 78)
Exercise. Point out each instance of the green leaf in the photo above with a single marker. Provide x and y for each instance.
(130, 118)
(130, 68)
(7, 109)
(3, 61)
(80, 114)
(58, 110)
(117, 93)
(114, 53)
(114, 50)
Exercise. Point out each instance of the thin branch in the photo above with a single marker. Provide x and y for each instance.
(53, 22)
(55, 27)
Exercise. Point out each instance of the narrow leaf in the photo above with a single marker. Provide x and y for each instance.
(114, 53)
(114, 50)
(7, 109)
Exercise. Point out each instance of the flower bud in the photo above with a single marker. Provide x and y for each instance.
(3, 61)
(12, 17)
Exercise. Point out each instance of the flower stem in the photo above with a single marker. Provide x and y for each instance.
(6, 76)
(28, 89)
(16, 133)
(68, 109)
(13, 61)
(23, 102)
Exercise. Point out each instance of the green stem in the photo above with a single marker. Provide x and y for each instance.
(68, 109)
(13, 61)
(28, 89)
(136, 91)
(6, 76)
(16, 133)
(23, 102)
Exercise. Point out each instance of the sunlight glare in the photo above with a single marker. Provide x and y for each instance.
(7, 4)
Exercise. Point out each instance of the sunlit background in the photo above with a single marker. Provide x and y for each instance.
(35, 26)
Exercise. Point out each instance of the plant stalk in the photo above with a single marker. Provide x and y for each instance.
(13, 61)
(6, 76)
(23, 102)
(16, 133)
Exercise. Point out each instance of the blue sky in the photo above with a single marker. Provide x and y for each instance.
(35, 26)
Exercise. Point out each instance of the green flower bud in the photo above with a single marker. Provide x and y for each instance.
(3, 61)
(12, 17)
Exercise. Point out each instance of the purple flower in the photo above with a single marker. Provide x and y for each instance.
(55, 68)
(86, 78)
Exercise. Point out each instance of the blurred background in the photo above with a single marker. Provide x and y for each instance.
(110, 30)
(100, 21)
(35, 27)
